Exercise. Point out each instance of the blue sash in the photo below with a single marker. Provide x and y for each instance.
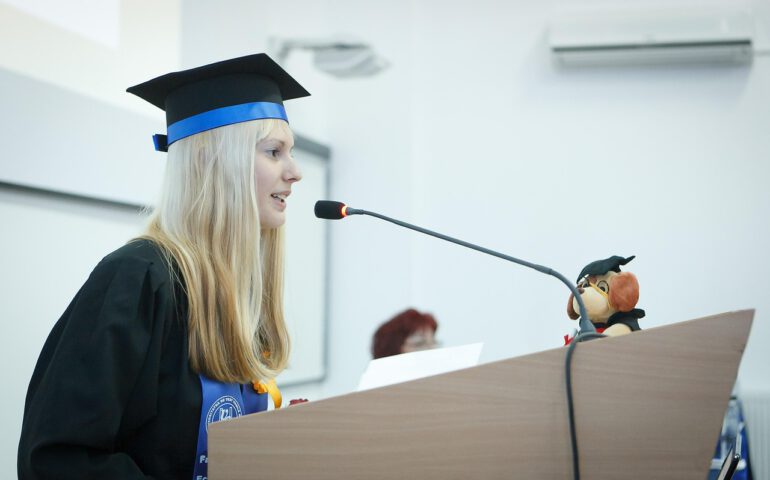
(222, 401)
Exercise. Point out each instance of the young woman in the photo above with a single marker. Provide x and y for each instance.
(183, 326)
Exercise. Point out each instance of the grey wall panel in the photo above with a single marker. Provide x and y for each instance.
(59, 140)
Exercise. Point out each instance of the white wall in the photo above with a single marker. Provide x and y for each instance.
(92, 47)
(472, 132)
(563, 167)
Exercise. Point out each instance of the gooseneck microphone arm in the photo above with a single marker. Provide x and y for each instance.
(331, 210)
(585, 323)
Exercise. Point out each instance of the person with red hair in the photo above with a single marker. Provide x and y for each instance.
(409, 331)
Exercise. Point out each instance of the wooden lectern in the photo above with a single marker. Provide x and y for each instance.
(647, 405)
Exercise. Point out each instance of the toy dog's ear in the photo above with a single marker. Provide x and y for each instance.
(624, 291)
(570, 309)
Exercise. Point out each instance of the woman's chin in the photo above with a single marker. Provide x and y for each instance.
(272, 220)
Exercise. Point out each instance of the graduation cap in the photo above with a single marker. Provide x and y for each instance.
(600, 267)
(232, 91)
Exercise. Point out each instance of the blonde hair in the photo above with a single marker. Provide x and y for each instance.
(207, 225)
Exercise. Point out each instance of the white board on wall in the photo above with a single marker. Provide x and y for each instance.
(305, 296)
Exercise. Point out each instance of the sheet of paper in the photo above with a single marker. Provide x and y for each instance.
(410, 366)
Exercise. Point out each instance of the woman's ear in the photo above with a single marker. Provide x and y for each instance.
(624, 291)
(570, 309)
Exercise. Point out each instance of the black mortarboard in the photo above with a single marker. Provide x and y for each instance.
(218, 94)
(600, 267)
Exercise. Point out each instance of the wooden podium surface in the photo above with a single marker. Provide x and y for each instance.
(647, 405)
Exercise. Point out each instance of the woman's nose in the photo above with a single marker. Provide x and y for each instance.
(293, 172)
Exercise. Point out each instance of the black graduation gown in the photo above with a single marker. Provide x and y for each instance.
(112, 395)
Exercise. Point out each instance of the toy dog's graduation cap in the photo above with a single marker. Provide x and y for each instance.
(600, 267)
(236, 90)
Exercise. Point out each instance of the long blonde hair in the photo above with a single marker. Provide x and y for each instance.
(207, 224)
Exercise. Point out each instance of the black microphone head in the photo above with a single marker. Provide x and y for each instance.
(329, 209)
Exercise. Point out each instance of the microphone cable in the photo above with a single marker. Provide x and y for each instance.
(570, 402)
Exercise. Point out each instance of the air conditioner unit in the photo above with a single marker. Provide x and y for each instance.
(664, 36)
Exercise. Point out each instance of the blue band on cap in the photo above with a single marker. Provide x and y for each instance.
(224, 116)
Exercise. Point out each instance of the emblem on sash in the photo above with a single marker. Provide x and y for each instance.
(225, 407)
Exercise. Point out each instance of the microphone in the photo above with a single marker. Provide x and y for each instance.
(331, 210)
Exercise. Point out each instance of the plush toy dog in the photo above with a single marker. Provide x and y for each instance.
(610, 297)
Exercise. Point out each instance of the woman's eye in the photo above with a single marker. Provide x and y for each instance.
(273, 153)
